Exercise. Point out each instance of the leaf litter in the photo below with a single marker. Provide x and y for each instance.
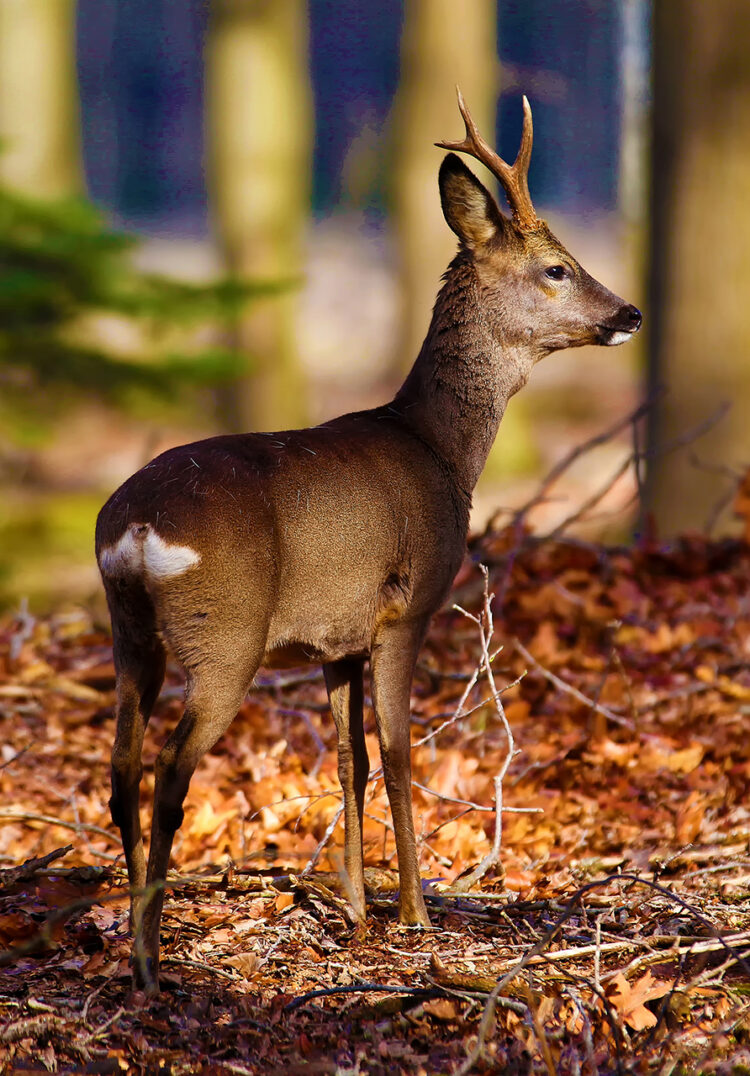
(605, 932)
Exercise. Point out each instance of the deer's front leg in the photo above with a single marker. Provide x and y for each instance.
(345, 693)
(392, 664)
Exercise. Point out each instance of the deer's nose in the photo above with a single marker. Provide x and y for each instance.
(631, 316)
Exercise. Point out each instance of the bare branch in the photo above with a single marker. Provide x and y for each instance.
(569, 689)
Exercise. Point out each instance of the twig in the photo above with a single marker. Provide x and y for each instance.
(201, 965)
(486, 627)
(287, 679)
(14, 758)
(475, 806)
(13, 815)
(589, 503)
(450, 799)
(11, 876)
(485, 1025)
(562, 685)
(580, 450)
(314, 734)
(692, 434)
(307, 869)
(458, 713)
(105, 1026)
(364, 988)
(539, 1031)
(691, 947)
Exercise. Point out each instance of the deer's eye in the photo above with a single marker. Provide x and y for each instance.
(555, 272)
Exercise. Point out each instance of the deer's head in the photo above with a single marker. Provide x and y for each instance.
(540, 296)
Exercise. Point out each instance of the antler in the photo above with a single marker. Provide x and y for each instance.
(514, 178)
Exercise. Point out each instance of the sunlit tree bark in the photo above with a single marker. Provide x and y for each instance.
(259, 136)
(39, 145)
(699, 310)
(443, 44)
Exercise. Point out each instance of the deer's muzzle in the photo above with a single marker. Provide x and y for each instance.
(625, 323)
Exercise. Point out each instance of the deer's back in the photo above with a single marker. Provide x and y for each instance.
(314, 536)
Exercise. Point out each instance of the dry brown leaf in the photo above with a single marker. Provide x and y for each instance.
(629, 1000)
(690, 818)
(447, 1010)
(687, 760)
(283, 901)
(206, 821)
(246, 963)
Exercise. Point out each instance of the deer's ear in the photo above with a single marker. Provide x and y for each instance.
(468, 206)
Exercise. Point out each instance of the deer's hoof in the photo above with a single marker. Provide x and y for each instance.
(414, 917)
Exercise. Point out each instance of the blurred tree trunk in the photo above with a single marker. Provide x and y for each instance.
(259, 138)
(700, 267)
(443, 44)
(39, 146)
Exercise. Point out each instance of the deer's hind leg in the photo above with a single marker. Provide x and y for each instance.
(140, 660)
(215, 690)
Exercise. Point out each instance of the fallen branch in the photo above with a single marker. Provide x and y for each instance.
(11, 876)
(364, 988)
(569, 459)
(569, 689)
(33, 1027)
(10, 814)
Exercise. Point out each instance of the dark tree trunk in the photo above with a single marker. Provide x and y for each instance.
(699, 308)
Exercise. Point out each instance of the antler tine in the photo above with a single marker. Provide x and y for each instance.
(514, 178)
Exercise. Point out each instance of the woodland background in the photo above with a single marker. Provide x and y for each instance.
(222, 215)
(289, 147)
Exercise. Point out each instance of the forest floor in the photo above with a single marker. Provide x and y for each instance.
(604, 928)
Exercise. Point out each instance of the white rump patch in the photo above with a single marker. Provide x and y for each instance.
(125, 558)
(142, 551)
(161, 558)
(618, 337)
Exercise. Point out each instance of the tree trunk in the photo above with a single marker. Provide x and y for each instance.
(259, 137)
(39, 147)
(700, 269)
(443, 44)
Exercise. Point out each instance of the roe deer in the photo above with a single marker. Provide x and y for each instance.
(336, 544)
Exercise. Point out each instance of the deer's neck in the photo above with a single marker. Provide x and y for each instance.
(458, 388)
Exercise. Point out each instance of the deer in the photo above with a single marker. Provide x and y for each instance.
(333, 545)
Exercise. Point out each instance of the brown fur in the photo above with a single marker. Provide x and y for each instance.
(331, 545)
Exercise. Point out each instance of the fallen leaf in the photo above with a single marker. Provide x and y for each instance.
(690, 818)
(629, 1000)
(245, 963)
(444, 1009)
(283, 901)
